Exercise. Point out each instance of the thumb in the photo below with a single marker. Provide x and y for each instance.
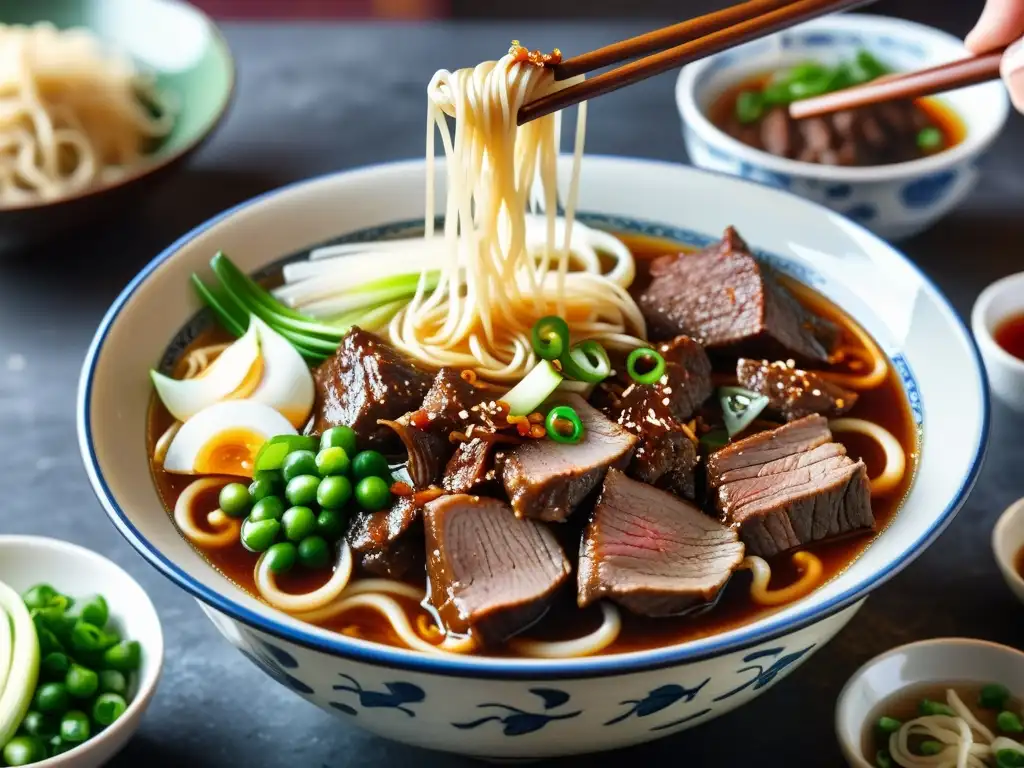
(1012, 70)
(1001, 22)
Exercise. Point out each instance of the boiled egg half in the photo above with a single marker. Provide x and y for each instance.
(224, 438)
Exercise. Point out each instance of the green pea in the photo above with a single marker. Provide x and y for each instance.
(48, 642)
(749, 107)
(993, 696)
(52, 698)
(108, 708)
(281, 557)
(39, 596)
(22, 750)
(930, 747)
(332, 461)
(54, 666)
(74, 727)
(330, 524)
(261, 488)
(87, 637)
(260, 535)
(314, 553)
(56, 619)
(38, 724)
(1009, 758)
(339, 437)
(373, 494)
(370, 464)
(268, 508)
(301, 490)
(124, 657)
(58, 746)
(929, 707)
(930, 139)
(883, 759)
(81, 682)
(112, 681)
(334, 492)
(888, 725)
(298, 523)
(235, 500)
(95, 611)
(298, 463)
(1008, 722)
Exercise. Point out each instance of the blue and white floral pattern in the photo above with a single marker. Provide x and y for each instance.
(519, 722)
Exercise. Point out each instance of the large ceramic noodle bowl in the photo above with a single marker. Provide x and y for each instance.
(504, 485)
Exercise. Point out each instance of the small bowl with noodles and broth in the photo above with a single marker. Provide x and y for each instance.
(102, 98)
(945, 703)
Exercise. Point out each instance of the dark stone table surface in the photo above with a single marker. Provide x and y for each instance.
(310, 102)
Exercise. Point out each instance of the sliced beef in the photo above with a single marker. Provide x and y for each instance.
(665, 455)
(793, 393)
(389, 543)
(471, 466)
(491, 573)
(790, 486)
(365, 382)
(546, 479)
(455, 404)
(427, 451)
(653, 553)
(687, 380)
(727, 301)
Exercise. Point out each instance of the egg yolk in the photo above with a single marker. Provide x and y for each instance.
(231, 452)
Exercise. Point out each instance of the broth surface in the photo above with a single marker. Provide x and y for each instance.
(886, 405)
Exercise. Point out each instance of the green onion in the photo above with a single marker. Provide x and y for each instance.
(562, 413)
(19, 661)
(930, 747)
(749, 107)
(587, 361)
(1009, 722)
(715, 439)
(274, 451)
(928, 707)
(883, 759)
(993, 696)
(550, 337)
(1009, 758)
(653, 359)
(930, 139)
(526, 396)
(871, 66)
(226, 311)
(888, 725)
(740, 407)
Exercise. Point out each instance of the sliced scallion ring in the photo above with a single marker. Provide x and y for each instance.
(655, 365)
(557, 417)
(587, 361)
(740, 407)
(550, 337)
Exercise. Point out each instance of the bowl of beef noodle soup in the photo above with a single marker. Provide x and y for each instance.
(552, 454)
(896, 168)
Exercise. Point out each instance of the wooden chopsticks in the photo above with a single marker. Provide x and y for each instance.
(690, 40)
(913, 85)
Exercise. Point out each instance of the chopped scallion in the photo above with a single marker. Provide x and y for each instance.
(526, 396)
(740, 407)
(557, 417)
(654, 361)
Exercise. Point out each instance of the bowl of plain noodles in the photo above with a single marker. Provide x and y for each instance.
(94, 103)
(517, 454)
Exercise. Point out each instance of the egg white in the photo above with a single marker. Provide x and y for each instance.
(287, 384)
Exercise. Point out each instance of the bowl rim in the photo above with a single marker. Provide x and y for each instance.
(999, 533)
(973, 144)
(145, 169)
(842, 698)
(486, 667)
(154, 650)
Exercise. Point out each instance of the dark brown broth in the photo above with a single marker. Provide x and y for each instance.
(885, 405)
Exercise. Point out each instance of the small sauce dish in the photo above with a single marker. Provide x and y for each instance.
(962, 663)
(1008, 546)
(29, 560)
(1000, 303)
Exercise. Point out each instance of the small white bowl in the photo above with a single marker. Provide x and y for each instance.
(29, 560)
(1007, 542)
(896, 200)
(1003, 299)
(944, 660)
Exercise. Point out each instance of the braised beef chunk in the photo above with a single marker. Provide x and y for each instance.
(793, 393)
(727, 301)
(454, 404)
(665, 455)
(427, 451)
(652, 552)
(490, 572)
(364, 382)
(687, 380)
(546, 479)
(388, 543)
(471, 466)
(790, 486)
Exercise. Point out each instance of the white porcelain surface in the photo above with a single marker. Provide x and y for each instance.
(29, 560)
(895, 201)
(1003, 299)
(945, 660)
(1007, 544)
(531, 708)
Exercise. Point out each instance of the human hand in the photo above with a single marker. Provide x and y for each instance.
(1002, 23)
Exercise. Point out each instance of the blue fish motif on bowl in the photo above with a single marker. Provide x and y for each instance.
(519, 722)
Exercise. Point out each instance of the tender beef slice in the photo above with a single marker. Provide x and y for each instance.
(546, 479)
(687, 380)
(790, 486)
(793, 393)
(665, 455)
(777, 134)
(389, 543)
(427, 451)
(471, 466)
(491, 573)
(726, 300)
(653, 553)
(365, 382)
(454, 404)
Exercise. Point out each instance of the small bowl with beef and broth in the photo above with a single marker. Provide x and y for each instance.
(896, 167)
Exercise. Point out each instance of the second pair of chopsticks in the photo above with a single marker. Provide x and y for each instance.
(675, 46)
(913, 85)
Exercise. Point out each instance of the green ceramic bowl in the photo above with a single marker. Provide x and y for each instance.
(192, 63)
